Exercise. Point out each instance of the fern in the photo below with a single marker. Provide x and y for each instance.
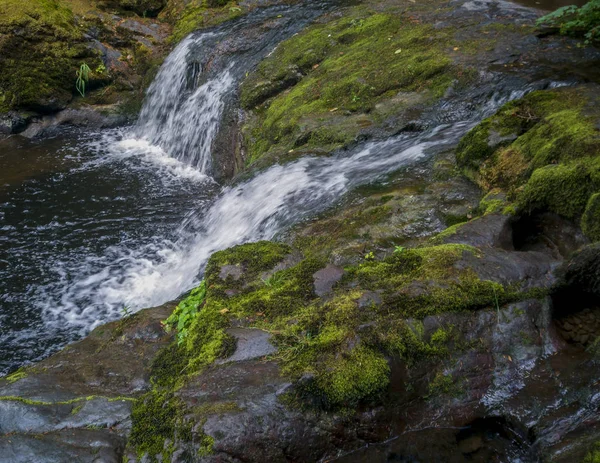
(576, 21)
(185, 312)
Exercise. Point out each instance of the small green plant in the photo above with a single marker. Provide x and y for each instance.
(83, 76)
(273, 280)
(576, 21)
(185, 312)
(370, 256)
(398, 249)
(126, 311)
(101, 69)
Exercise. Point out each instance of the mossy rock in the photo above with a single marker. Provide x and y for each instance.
(145, 8)
(320, 88)
(562, 188)
(42, 48)
(542, 152)
(590, 222)
(189, 16)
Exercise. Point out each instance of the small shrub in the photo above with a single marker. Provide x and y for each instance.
(577, 21)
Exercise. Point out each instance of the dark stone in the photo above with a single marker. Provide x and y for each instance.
(326, 278)
(251, 344)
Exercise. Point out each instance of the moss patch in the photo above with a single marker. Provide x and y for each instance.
(540, 153)
(41, 47)
(590, 222)
(187, 17)
(317, 83)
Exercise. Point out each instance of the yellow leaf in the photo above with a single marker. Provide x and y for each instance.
(223, 311)
(399, 50)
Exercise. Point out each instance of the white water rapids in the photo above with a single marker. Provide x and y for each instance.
(255, 210)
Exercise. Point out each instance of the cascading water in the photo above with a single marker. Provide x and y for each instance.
(179, 116)
(130, 216)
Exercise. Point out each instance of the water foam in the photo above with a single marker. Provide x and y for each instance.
(179, 116)
(254, 210)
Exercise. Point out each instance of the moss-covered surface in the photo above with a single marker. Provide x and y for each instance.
(45, 42)
(41, 49)
(594, 455)
(187, 17)
(335, 349)
(542, 152)
(590, 222)
(320, 88)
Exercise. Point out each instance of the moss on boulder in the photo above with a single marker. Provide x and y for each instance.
(542, 152)
(320, 88)
(590, 222)
(42, 48)
(187, 17)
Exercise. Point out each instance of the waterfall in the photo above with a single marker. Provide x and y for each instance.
(180, 116)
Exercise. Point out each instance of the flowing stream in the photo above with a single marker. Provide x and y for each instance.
(93, 222)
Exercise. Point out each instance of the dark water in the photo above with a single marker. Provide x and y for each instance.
(67, 209)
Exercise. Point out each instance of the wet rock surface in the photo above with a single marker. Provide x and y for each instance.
(514, 379)
(76, 405)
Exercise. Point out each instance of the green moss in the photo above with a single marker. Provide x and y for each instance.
(331, 71)
(441, 384)
(155, 417)
(543, 156)
(360, 373)
(563, 188)
(17, 375)
(441, 237)
(594, 455)
(199, 14)
(590, 222)
(474, 147)
(64, 402)
(206, 446)
(492, 203)
(42, 47)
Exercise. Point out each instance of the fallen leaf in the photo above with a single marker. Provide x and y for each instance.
(223, 311)
(455, 48)
(399, 50)
(332, 110)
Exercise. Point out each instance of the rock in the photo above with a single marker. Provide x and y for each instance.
(326, 278)
(492, 230)
(470, 444)
(84, 117)
(251, 344)
(76, 405)
(67, 446)
(233, 271)
(12, 122)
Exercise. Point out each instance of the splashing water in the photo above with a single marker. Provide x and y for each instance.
(255, 210)
(179, 117)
